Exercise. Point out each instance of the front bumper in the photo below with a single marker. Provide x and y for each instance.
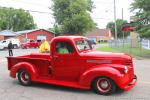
(131, 84)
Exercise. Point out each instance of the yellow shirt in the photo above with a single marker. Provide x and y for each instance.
(44, 47)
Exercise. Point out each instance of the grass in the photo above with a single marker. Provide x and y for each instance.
(103, 43)
(136, 52)
(107, 49)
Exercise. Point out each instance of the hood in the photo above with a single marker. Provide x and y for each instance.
(104, 55)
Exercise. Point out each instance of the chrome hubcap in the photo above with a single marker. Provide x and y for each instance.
(24, 77)
(103, 85)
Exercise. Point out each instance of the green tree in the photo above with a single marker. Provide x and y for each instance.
(15, 19)
(142, 16)
(56, 29)
(72, 16)
(119, 23)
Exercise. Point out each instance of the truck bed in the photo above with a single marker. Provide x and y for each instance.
(40, 60)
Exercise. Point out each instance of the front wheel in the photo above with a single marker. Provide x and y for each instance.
(24, 77)
(104, 86)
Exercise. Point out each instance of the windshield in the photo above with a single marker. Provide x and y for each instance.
(83, 45)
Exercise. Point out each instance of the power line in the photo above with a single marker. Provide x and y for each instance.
(39, 11)
(103, 18)
(35, 4)
(102, 2)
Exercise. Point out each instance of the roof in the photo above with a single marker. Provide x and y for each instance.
(26, 31)
(29, 31)
(68, 37)
(7, 33)
(99, 32)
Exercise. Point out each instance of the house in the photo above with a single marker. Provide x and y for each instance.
(7, 34)
(36, 34)
(100, 35)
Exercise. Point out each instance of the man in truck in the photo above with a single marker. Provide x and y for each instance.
(62, 48)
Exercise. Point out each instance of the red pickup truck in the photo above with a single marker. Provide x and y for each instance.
(30, 44)
(80, 67)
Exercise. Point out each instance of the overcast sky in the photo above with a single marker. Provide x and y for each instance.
(102, 14)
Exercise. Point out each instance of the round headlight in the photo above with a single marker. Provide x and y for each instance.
(125, 69)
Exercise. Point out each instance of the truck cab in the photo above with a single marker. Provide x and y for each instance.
(72, 62)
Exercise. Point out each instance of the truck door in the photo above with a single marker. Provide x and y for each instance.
(65, 62)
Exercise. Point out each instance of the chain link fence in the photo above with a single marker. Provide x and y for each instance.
(134, 47)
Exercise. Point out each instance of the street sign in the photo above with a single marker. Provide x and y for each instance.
(127, 27)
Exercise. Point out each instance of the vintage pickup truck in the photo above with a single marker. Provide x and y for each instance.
(80, 67)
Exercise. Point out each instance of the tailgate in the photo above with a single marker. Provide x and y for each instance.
(10, 62)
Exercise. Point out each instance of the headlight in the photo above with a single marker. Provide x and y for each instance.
(125, 69)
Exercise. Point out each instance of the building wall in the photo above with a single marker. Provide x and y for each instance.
(5, 37)
(33, 35)
(21, 37)
(100, 34)
(1, 37)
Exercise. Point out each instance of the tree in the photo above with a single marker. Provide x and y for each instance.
(56, 29)
(119, 23)
(142, 16)
(72, 16)
(15, 19)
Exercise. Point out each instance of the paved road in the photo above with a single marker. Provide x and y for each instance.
(11, 90)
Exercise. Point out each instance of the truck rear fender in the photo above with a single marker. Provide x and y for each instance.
(24, 65)
(100, 71)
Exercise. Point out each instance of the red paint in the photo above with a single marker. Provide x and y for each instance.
(77, 69)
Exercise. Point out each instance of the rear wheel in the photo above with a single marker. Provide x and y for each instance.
(104, 86)
(24, 77)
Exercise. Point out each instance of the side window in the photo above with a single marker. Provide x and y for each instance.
(64, 48)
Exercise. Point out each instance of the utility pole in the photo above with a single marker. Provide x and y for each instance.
(115, 21)
(122, 13)
(122, 31)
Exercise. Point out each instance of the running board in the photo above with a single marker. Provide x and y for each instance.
(62, 83)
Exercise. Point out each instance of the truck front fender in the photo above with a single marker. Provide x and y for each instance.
(24, 65)
(100, 71)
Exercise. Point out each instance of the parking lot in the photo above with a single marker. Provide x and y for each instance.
(10, 89)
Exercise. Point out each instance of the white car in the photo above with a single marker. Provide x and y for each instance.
(4, 43)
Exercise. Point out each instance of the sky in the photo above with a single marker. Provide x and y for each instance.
(102, 13)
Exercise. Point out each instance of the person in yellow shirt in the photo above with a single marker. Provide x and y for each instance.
(44, 47)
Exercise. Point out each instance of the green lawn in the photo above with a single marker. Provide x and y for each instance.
(136, 52)
(107, 49)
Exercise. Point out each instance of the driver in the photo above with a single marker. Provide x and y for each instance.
(63, 49)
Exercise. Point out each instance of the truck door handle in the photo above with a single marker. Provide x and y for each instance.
(55, 57)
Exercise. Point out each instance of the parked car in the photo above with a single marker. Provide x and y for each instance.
(79, 67)
(4, 43)
(30, 44)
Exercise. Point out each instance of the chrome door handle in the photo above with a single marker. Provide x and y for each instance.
(55, 57)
